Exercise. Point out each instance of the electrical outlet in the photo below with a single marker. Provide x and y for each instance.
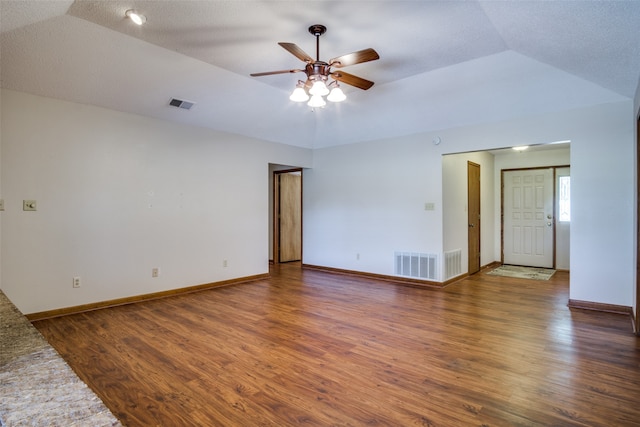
(76, 282)
(155, 272)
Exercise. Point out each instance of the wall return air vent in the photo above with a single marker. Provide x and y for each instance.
(421, 266)
(180, 103)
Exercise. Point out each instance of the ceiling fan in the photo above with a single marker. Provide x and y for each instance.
(318, 72)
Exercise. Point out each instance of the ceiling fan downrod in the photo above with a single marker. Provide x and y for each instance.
(317, 30)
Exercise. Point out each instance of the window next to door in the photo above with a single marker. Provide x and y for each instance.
(564, 198)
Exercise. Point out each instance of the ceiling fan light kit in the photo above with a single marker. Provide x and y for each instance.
(318, 73)
(316, 101)
(336, 95)
(319, 88)
(299, 94)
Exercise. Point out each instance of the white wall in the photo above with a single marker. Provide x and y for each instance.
(369, 198)
(455, 203)
(120, 194)
(602, 195)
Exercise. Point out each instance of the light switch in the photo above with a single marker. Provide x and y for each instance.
(29, 205)
(429, 206)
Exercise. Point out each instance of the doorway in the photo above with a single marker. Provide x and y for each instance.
(287, 217)
(455, 202)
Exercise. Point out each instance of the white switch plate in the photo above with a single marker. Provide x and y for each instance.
(29, 205)
(429, 206)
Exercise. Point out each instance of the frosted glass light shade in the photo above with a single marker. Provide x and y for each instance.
(316, 101)
(319, 88)
(299, 95)
(336, 95)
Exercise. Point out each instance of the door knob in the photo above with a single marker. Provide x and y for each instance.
(471, 225)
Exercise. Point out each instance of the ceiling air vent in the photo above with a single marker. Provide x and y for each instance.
(179, 103)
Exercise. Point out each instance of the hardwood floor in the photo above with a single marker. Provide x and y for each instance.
(313, 348)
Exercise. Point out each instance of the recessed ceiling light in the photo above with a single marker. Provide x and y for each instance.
(521, 148)
(136, 17)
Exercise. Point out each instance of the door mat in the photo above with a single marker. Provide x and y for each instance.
(535, 273)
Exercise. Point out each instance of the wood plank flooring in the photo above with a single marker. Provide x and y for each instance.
(313, 348)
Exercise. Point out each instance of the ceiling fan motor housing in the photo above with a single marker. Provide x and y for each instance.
(318, 70)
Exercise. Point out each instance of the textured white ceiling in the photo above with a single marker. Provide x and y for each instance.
(442, 63)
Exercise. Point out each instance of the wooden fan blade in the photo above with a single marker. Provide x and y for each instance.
(352, 80)
(268, 73)
(364, 55)
(296, 51)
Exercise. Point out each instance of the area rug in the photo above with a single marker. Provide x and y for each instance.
(534, 273)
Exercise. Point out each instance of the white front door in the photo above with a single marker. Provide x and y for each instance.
(528, 221)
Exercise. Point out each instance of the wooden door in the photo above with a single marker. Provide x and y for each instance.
(528, 217)
(473, 213)
(289, 207)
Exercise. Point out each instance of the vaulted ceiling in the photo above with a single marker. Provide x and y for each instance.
(442, 64)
